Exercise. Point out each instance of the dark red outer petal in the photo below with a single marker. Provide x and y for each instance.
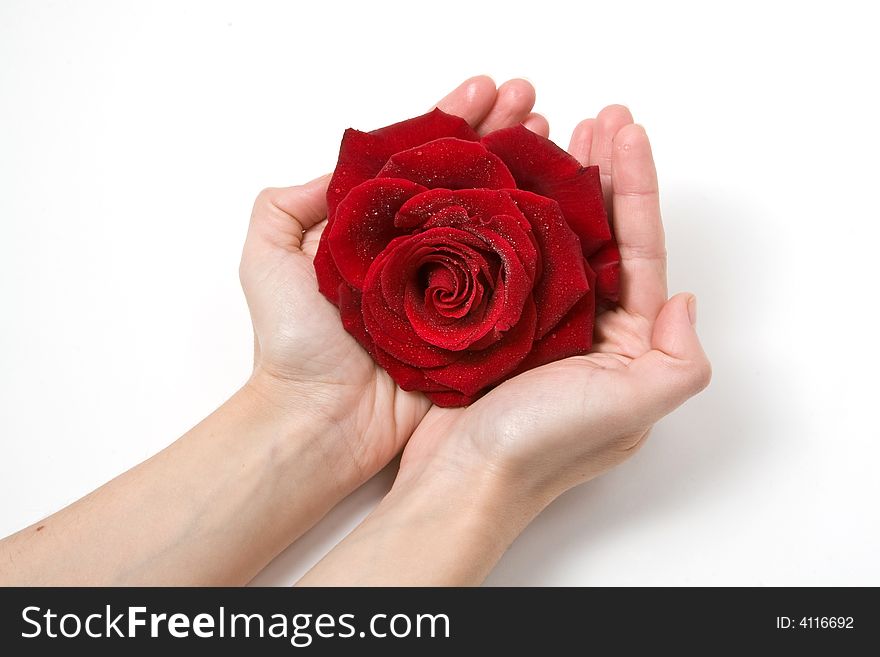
(451, 164)
(407, 376)
(572, 336)
(450, 399)
(476, 370)
(606, 263)
(564, 280)
(363, 154)
(540, 166)
(364, 224)
(353, 318)
(422, 129)
(329, 278)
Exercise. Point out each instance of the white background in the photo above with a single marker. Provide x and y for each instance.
(134, 136)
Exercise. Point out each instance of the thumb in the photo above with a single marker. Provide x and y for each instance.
(676, 368)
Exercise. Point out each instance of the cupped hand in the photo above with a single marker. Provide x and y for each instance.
(559, 425)
(304, 361)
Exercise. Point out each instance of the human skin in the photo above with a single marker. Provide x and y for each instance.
(471, 479)
(316, 419)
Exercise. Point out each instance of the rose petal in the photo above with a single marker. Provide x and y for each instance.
(540, 166)
(422, 129)
(475, 370)
(572, 336)
(606, 263)
(417, 211)
(449, 163)
(353, 319)
(364, 224)
(329, 278)
(451, 292)
(564, 280)
(450, 399)
(407, 376)
(363, 154)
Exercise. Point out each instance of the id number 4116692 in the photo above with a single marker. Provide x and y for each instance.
(814, 623)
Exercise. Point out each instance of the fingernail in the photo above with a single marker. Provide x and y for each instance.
(692, 310)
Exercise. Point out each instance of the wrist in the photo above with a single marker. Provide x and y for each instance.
(432, 529)
(455, 459)
(296, 430)
(474, 497)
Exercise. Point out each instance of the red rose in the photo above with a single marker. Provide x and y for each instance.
(457, 261)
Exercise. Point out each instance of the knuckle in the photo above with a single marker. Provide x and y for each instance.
(700, 375)
(261, 200)
(266, 198)
(267, 193)
(688, 377)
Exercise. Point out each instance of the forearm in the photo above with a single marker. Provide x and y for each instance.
(430, 531)
(211, 509)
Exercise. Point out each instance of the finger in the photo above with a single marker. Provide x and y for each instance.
(514, 101)
(582, 141)
(537, 124)
(281, 214)
(471, 100)
(311, 239)
(608, 123)
(637, 224)
(676, 368)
